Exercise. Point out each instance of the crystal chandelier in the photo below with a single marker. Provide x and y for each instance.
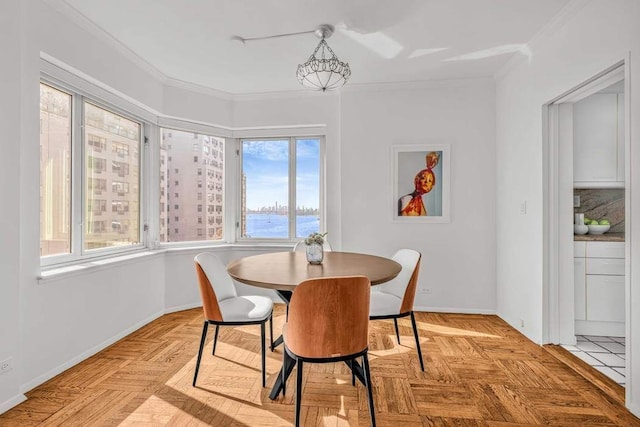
(323, 70)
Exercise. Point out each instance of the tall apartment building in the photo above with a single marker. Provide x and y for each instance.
(111, 169)
(112, 156)
(191, 186)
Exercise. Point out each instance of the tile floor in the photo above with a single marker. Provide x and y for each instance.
(606, 354)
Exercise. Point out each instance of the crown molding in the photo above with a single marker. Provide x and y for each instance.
(556, 23)
(94, 29)
(197, 88)
(415, 84)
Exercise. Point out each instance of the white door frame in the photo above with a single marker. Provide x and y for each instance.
(558, 309)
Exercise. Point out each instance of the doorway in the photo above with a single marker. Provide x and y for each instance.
(573, 298)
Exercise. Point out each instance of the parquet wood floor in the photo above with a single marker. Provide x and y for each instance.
(478, 372)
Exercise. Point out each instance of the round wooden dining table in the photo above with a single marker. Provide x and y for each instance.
(283, 271)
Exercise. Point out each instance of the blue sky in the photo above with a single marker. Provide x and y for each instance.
(266, 166)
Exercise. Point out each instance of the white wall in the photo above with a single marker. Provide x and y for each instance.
(197, 106)
(598, 35)
(458, 258)
(92, 52)
(10, 221)
(48, 326)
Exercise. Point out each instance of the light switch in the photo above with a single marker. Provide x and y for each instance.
(576, 201)
(523, 207)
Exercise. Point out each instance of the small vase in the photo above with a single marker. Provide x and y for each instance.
(579, 226)
(315, 253)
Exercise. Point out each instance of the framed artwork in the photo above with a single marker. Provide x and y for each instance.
(421, 183)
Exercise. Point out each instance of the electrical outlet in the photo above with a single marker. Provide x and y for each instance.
(426, 290)
(6, 365)
(576, 201)
(522, 323)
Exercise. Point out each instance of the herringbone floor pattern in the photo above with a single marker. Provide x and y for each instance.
(478, 372)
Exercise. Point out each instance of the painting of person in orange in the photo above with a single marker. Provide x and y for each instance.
(424, 181)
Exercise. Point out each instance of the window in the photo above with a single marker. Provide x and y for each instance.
(97, 185)
(118, 131)
(120, 187)
(120, 149)
(121, 168)
(75, 221)
(97, 143)
(280, 188)
(186, 156)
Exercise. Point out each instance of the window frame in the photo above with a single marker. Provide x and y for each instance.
(79, 177)
(292, 139)
(199, 129)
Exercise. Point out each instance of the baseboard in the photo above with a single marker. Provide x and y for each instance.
(86, 354)
(454, 310)
(276, 300)
(633, 408)
(606, 329)
(15, 400)
(182, 307)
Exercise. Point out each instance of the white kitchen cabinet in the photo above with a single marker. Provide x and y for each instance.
(598, 147)
(599, 288)
(605, 298)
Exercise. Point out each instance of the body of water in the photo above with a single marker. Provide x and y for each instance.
(277, 226)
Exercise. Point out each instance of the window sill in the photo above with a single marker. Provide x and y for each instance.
(83, 267)
(92, 265)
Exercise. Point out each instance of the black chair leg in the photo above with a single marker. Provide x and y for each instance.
(284, 373)
(215, 341)
(298, 392)
(367, 377)
(202, 340)
(262, 342)
(395, 323)
(271, 331)
(415, 334)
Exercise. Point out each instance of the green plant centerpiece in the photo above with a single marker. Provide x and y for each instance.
(315, 250)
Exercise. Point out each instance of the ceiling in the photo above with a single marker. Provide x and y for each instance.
(384, 41)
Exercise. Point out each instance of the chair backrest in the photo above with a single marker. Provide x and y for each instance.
(301, 246)
(405, 283)
(215, 284)
(329, 317)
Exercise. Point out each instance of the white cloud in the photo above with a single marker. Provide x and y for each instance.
(267, 150)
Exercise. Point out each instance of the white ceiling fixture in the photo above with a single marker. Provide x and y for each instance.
(322, 71)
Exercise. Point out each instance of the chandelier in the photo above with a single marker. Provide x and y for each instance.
(323, 70)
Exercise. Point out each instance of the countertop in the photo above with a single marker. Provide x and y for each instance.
(606, 237)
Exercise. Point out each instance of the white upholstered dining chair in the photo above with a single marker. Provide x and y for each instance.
(395, 298)
(222, 306)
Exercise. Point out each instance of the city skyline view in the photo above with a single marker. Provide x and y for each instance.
(266, 166)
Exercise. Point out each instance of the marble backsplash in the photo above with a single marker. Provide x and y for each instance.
(599, 203)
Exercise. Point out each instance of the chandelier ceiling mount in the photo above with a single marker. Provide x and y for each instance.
(323, 70)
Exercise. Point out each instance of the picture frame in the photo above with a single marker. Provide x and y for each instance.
(417, 196)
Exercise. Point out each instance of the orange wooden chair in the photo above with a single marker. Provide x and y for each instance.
(328, 322)
(222, 306)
